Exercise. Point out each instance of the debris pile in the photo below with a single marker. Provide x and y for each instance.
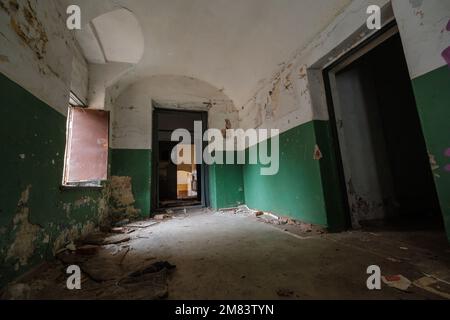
(270, 218)
(110, 265)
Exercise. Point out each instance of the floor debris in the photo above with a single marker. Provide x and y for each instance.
(433, 285)
(142, 224)
(397, 281)
(142, 269)
(161, 217)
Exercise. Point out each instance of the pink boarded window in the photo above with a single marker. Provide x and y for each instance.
(86, 161)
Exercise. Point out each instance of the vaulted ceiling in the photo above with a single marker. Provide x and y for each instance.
(231, 44)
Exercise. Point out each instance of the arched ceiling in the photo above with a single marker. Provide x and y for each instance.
(232, 44)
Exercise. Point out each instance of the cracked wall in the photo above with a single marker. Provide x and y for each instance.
(40, 64)
(294, 98)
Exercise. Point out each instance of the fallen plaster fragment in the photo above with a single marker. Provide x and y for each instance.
(24, 243)
(397, 281)
(142, 224)
(317, 153)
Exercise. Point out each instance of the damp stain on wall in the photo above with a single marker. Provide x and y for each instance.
(25, 23)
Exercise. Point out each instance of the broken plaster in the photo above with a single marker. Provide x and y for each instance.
(122, 198)
(24, 243)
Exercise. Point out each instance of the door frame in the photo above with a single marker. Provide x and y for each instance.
(329, 75)
(154, 196)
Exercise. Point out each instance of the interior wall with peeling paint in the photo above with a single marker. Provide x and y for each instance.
(425, 30)
(132, 130)
(40, 65)
(294, 99)
(253, 83)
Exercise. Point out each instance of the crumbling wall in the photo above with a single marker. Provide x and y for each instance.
(425, 30)
(40, 64)
(294, 96)
(40, 53)
(293, 101)
(122, 199)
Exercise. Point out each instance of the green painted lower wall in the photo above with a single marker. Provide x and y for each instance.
(432, 92)
(226, 186)
(136, 164)
(36, 216)
(335, 196)
(297, 190)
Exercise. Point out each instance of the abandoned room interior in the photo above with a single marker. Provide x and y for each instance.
(211, 149)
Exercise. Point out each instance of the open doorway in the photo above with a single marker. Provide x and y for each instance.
(182, 185)
(385, 162)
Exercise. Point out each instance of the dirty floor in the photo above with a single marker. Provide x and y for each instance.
(223, 255)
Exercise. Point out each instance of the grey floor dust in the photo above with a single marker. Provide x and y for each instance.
(234, 256)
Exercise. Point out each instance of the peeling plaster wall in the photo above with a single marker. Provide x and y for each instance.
(40, 64)
(286, 100)
(294, 96)
(293, 101)
(425, 30)
(39, 52)
(132, 125)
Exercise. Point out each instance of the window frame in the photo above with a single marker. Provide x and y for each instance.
(75, 102)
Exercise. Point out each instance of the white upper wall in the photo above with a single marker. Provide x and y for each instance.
(39, 53)
(115, 36)
(132, 109)
(422, 26)
(232, 45)
(295, 95)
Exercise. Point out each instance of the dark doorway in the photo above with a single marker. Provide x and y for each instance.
(385, 162)
(183, 185)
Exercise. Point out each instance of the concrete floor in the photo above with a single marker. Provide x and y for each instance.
(228, 256)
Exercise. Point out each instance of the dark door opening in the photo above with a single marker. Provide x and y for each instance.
(385, 162)
(182, 185)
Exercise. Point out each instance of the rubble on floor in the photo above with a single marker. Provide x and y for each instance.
(109, 269)
(273, 219)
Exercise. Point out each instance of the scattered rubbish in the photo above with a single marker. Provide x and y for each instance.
(434, 285)
(123, 230)
(118, 230)
(142, 224)
(393, 259)
(122, 223)
(404, 248)
(259, 213)
(397, 281)
(285, 293)
(162, 216)
(142, 237)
